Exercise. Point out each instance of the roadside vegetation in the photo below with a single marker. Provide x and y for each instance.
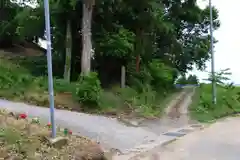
(20, 138)
(86, 94)
(113, 65)
(228, 99)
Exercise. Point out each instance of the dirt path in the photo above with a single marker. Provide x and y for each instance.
(176, 115)
(175, 119)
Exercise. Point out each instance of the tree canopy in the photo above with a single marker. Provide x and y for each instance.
(171, 36)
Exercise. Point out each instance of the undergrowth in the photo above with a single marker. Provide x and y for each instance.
(228, 102)
(19, 82)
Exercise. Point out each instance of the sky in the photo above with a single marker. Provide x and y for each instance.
(228, 48)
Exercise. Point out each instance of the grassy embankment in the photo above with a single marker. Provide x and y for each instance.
(18, 83)
(228, 103)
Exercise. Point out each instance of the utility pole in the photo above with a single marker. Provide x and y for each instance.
(214, 97)
(49, 63)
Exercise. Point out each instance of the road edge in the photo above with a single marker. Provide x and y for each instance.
(163, 140)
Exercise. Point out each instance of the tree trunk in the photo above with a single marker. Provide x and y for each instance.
(67, 68)
(87, 36)
(138, 47)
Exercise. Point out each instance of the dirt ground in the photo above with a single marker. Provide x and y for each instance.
(175, 110)
(20, 138)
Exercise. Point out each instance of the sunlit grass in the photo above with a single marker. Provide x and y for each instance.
(228, 103)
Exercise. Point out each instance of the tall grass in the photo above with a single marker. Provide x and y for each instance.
(17, 83)
(228, 103)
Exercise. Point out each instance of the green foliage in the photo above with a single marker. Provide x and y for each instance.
(12, 76)
(138, 80)
(147, 29)
(168, 36)
(17, 83)
(220, 77)
(24, 30)
(127, 94)
(145, 103)
(88, 89)
(227, 103)
(119, 44)
(8, 22)
(182, 80)
(162, 75)
(191, 79)
(227, 98)
(156, 74)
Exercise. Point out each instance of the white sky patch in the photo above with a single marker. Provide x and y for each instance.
(228, 48)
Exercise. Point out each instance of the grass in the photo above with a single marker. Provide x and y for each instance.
(19, 138)
(17, 83)
(228, 103)
(129, 103)
(22, 79)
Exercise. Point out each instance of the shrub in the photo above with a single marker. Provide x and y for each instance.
(162, 75)
(109, 102)
(88, 89)
(127, 94)
(145, 103)
(138, 80)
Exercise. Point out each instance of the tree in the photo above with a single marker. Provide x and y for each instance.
(67, 71)
(190, 40)
(192, 79)
(170, 34)
(87, 35)
(182, 80)
(220, 77)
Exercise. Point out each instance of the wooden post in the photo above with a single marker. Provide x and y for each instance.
(123, 77)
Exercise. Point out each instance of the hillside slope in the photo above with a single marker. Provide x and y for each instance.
(24, 79)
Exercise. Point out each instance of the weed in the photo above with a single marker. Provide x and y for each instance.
(23, 142)
(202, 108)
(21, 84)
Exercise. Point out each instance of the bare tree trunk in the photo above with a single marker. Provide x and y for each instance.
(87, 36)
(67, 69)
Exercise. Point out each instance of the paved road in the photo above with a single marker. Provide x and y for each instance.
(108, 131)
(220, 141)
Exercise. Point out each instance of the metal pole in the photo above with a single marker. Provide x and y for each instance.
(214, 97)
(49, 63)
